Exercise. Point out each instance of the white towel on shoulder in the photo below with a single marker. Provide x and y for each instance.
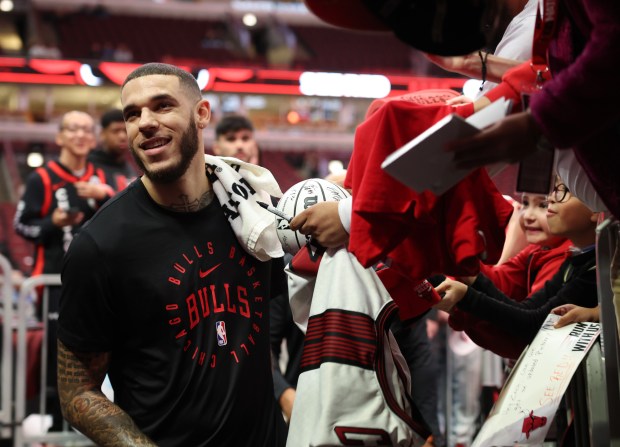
(238, 185)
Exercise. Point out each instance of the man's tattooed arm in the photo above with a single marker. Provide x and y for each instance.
(80, 376)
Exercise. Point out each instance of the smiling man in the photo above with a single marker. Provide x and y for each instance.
(159, 293)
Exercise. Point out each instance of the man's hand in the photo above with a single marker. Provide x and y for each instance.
(322, 222)
(459, 100)
(575, 314)
(92, 190)
(453, 292)
(62, 218)
(509, 140)
(287, 398)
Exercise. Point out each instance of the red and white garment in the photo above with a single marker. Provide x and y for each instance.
(354, 387)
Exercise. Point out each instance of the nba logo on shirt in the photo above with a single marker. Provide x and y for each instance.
(220, 330)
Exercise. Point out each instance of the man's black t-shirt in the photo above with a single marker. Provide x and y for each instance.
(183, 310)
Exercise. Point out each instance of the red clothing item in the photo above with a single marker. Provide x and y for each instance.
(519, 277)
(527, 271)
(513, 82)
(422, 234)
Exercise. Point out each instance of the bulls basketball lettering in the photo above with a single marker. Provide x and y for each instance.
(206, 300)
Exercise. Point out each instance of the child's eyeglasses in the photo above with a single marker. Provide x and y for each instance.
(559, 193)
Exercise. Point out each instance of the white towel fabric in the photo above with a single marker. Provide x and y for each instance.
(238, 185)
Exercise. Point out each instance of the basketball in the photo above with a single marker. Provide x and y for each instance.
(299, 197)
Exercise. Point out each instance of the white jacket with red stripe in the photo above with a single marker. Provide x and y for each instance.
(354, 383)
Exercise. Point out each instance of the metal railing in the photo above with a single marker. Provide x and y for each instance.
(67, 436)
(6, 385)
(608, 238)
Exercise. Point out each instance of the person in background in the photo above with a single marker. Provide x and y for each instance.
(165, 291)
(234, 137)
(58, 198)
(112, 153)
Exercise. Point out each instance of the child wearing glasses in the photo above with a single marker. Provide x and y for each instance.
(574, 283)
(518, 277)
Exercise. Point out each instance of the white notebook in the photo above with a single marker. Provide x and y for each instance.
(424, 165)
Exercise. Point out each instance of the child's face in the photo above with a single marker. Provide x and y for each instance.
(239, 144)
(533, 220)
(568, 216)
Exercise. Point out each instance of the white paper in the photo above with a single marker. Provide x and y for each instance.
(531, 395)
(423, 164)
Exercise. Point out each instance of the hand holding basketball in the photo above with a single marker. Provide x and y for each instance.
(322, 222)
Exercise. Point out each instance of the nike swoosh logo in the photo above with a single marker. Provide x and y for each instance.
(208, 272)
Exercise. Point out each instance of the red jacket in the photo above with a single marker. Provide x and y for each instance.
(527, 271)
(518, 278)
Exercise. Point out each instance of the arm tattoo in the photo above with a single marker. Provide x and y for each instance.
(185, 205)
(80, 376)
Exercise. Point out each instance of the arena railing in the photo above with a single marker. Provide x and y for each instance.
(608, 238)
(6, 386)
(67, 436)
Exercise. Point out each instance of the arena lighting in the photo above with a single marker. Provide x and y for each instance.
(86, 73)
(293, 117)
(249, 20)
(19, 70)
(34, 159)
(203, 78)
(344, 84)
(6, 5)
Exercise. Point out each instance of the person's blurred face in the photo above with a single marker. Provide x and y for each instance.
(162, 131)
(114, 137)
(77, 134)
(239, 144)
(533, 220)
(570, 217)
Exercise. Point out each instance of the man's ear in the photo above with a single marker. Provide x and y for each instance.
(203, 113)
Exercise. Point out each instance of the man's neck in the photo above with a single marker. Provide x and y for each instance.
(71, 161)
(190, 193)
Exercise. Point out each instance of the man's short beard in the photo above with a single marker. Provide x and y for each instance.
(189, 147)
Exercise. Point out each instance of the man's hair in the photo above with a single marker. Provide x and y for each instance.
(111, 116)
(156, 68)
(232, 123)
